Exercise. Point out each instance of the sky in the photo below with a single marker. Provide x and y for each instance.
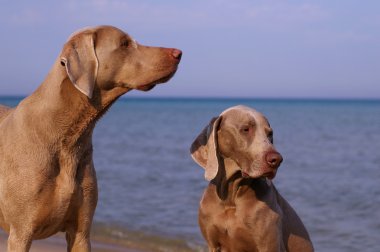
(239, 48)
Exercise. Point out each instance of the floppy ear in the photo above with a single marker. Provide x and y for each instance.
(204, 149)
(79, 58)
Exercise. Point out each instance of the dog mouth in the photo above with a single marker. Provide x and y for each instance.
(269, 174)
(149, 86)
(146, 87)
(244, 174)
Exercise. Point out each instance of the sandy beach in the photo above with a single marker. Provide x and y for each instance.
(58, 244)
(134, 243)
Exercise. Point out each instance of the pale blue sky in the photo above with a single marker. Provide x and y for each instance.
(238, 48)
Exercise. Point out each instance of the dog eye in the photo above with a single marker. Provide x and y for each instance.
(270, 136)
(245, 129)
(125, 43)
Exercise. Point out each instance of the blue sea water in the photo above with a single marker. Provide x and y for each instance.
(330, 174)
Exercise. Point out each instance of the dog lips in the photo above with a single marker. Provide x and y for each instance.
(244, 174)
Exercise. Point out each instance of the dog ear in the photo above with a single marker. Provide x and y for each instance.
(204, 149)
(79, 58)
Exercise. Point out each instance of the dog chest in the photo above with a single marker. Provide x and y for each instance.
(226, 228)
(243, 223)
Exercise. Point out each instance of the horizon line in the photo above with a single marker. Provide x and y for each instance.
(229, 98)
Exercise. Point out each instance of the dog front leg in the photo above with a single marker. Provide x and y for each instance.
(78, 230)
(78, 242)
(18, 242)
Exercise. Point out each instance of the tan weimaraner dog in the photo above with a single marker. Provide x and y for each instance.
(47, 177)
(241, 210)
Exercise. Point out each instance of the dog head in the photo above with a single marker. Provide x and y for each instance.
(241, 135)
(105, 57)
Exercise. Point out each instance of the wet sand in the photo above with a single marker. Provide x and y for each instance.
(58, 244)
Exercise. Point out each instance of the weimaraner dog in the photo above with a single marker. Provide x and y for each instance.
(47, 177)
(241, 210)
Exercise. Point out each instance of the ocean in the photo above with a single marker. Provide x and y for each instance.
(149, 187)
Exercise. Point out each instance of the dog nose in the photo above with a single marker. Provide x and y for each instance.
(274, 159)
(177, 54)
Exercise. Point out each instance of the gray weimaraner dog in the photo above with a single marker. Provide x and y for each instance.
(47, 177)
(241, 209)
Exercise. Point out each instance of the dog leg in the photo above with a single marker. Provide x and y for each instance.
(78, 242)
(18, 242)
(78, 230)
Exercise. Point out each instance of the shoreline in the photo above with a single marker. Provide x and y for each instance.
(57, 243)
(103, 242)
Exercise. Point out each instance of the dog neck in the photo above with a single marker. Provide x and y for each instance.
(230, 184)
(58, 104)
(227, 179)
